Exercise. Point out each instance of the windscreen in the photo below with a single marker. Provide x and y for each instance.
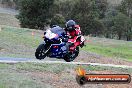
(57, 30)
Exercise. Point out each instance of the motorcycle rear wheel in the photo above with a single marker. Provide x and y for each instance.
(40, 52)
(71, 56)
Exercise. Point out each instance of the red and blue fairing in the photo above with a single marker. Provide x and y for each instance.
(53, 38)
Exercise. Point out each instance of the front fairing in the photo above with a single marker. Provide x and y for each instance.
(51, 41)
(53, 36)
(50, 35)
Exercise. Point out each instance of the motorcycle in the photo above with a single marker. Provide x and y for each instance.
(54, 46)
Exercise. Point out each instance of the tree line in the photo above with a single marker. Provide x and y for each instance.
(96, 17)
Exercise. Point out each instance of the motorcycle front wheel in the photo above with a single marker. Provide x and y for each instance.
(40, 52)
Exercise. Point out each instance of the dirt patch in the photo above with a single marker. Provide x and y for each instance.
(62, 80)
(88, 57)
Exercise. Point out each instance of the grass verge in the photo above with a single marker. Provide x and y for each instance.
(109, 47)
(34, 75)
(9, 20)
(19, 42)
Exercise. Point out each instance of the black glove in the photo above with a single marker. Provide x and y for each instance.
(65, 39)
(82, 44)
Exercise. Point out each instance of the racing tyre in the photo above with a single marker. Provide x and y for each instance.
(71, 56)
(40, 52)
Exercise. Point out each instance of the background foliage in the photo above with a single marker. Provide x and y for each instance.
(102, 18)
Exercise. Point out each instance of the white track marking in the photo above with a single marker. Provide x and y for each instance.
(63, 62)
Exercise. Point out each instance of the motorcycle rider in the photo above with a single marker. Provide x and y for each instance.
(74, 33)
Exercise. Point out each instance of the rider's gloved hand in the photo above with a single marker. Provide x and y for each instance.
(82, 44)
(65, 39)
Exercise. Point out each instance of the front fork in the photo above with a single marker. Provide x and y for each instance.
(47, 46)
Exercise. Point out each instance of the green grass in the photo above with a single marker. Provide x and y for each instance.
(12, 77)
(9, 20)
(18, 42)
(18, 80)
(53, 68)
(20, 36)
(11, 80)
(19, 75)
(111, 48)
(59, 68)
